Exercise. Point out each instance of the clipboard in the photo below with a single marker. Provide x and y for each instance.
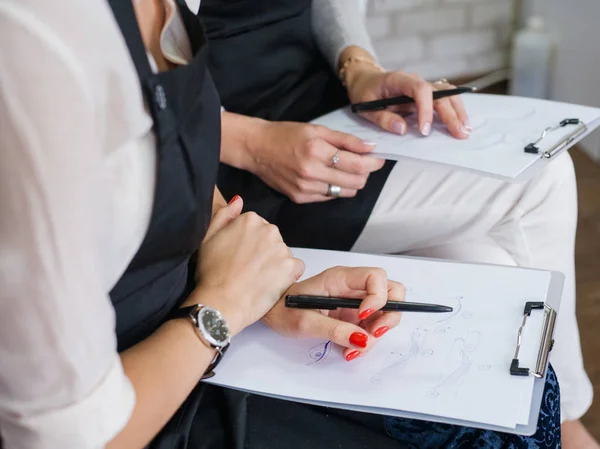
(534, 369)
(513, 138)
(550, 311)
(558, 145)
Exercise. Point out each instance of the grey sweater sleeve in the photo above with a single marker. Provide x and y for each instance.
(338, 24)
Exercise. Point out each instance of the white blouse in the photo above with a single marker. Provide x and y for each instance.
(76, 188)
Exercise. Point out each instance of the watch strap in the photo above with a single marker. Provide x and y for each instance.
(182, 312)
(210, 371)
(186, 312)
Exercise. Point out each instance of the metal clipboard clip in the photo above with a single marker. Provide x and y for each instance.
(532, 148)
(546, 341)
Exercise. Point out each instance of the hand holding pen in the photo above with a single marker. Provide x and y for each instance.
(357, 330)
(372, 86)
(379, 105)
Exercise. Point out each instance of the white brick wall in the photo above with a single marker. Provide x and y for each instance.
(442, 38)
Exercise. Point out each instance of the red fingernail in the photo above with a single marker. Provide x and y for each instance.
(359, 339)
(365, 314)
(234, 199)
(352, 355)
(382, 330)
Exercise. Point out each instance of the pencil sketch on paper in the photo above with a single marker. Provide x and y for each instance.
(317, 353)
(442, 323)
(458, 364)
(493, 122)
(455, 310)
(455, 367)
(444, 346)
(479, 121)
(397, 361)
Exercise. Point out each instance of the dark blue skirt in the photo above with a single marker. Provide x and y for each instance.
(425, 435)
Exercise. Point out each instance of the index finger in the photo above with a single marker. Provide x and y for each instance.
(422, 93)
(461, 111)
(452, 112)
(373, 282)
(380, 323)
(359, 282)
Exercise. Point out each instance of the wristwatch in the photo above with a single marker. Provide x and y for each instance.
(212, 329)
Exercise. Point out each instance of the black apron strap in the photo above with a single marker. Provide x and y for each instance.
(127, 21)
(154, 92)
(192, 25)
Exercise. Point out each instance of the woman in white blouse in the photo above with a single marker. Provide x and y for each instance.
(106, 198)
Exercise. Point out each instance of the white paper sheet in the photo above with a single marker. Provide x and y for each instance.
(447, 365)
(502, 127)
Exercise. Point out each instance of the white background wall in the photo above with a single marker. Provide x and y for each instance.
(455, 38)
(446, 38)
(575, 26)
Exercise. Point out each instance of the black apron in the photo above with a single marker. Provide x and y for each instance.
(185, 108)
(266, 63)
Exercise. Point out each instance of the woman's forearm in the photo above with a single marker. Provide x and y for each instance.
(163, 369)
(338, 24)
(363, 62)
(237, 134)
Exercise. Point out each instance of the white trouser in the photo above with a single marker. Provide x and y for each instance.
(433, 211)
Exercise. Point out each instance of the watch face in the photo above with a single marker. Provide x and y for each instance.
(213, 326)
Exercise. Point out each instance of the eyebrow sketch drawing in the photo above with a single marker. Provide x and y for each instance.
(317, 353)
(395, 362)
(456, 309)
(472, 340)
(478, 121)
(440, 325)
(497, 120)
(459, 363)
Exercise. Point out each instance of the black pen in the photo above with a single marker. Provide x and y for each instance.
(329, 303)
(378, 105)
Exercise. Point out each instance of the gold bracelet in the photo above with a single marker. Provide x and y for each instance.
(344, 68)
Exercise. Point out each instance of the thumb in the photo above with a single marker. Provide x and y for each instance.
(387, 120)
(224, 216)
(347, 142)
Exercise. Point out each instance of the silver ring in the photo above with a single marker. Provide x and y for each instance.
(335, 159)
(333, 191)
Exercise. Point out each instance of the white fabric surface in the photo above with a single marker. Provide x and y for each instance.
(432, 211)
(76, 184)
(76, 193)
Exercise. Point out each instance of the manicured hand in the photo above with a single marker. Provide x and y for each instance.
(297, 160)
(357, 330)
(366, 84)
(243, 267)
